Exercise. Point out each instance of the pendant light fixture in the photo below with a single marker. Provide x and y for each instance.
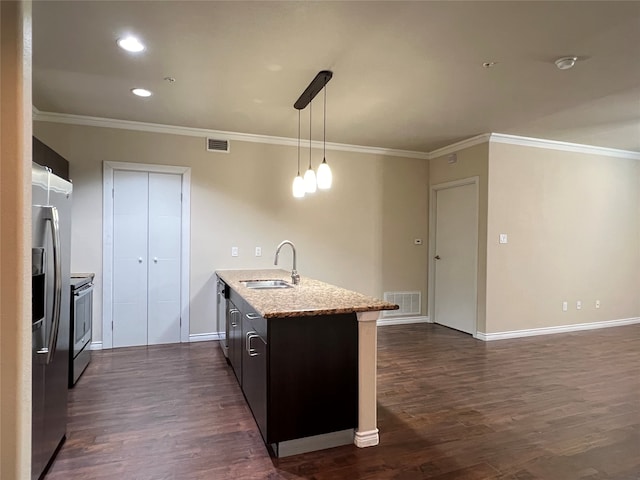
(310, 181)
(310, 175)
(324, 172)
(298, 182)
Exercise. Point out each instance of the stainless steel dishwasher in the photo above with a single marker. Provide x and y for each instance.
(223, 294)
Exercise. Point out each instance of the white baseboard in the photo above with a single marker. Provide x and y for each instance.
(193, 337)
(205, 337)
(402, 320)
(559, 329)
(313, 443)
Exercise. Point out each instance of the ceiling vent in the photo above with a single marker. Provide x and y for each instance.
(214, 145)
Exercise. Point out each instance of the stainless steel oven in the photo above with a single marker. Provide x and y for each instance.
(81, 325)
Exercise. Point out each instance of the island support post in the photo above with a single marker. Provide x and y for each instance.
(367, 432)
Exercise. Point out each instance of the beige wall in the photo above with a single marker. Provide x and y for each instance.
(472, 162)
(15, 240)
(573, 223)
(405, 213)
(358, 235)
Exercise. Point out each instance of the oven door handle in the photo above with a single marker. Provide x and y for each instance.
(83, 291)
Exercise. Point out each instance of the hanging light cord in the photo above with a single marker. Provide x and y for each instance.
(309, 135)
(324, 129)
(298, 142)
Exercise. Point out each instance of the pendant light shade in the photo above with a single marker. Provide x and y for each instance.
(310, 181)
(325, 178)
(298, 187)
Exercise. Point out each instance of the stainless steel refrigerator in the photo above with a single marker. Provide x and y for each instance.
(50, 253)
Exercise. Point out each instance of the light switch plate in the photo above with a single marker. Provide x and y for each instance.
(417, 241)
(503, 238)
(234, 251)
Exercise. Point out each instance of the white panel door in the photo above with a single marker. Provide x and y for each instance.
(130, 234)
(165, 216)
(147, 225)
(456, 249)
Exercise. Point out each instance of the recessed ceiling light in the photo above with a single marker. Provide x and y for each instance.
(141, 92)
(565, 63)
(131, 44)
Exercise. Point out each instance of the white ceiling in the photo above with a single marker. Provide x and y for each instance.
(407, 75)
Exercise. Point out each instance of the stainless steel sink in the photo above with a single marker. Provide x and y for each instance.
(265, 284)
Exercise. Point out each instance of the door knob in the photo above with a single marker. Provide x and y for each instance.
(139, 259)
(155, 259)
(437, 257)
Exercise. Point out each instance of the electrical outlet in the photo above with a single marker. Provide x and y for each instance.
(597, 303)
(579, 305)
(565, 306)
(234, 251)
(258, 251)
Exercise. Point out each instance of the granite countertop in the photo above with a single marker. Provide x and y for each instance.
(310, 297)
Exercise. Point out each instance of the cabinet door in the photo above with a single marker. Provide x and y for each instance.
(254, 376)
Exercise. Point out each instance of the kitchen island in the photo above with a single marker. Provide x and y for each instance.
(305, 357)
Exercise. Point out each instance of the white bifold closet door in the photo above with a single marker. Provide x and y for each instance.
(146, 258)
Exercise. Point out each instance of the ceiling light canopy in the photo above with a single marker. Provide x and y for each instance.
(131, 44)
(565, 63)
(141, 92)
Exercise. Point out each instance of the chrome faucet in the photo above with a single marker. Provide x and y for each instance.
(295, 278)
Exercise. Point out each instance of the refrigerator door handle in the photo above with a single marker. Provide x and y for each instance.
(51, 215)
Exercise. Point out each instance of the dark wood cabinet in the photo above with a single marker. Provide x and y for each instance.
(47, 157)
(313, 375)
(234, 335)
(299, 375)
(254, 367)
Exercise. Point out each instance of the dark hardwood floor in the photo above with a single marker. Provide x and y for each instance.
(562, 407)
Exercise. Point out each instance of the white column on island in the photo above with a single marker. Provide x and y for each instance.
(367, 431)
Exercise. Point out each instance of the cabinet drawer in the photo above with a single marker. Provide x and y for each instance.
(258, 323)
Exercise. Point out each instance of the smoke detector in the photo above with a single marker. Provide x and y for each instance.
(565, 63)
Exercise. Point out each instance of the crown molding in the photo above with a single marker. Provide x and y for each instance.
(563, 146)
(293, 142)
(462, 144)
(219, 134)
(533, 142)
